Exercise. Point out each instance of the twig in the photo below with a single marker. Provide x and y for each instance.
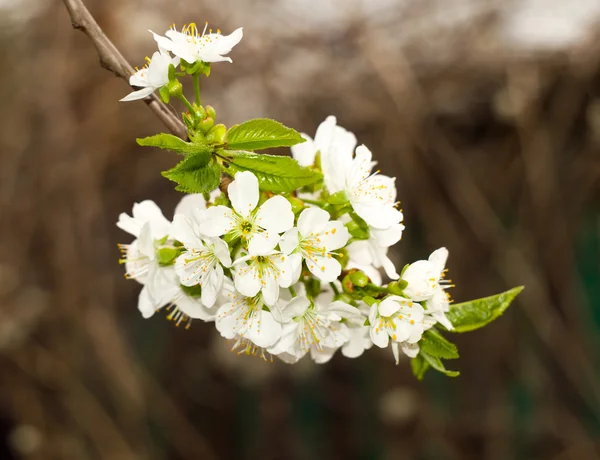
(111, 59)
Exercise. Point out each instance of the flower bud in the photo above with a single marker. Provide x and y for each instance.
(359, 279)
(199, 111)
(347, 285)
(396, 287)
(206, 125)
(175, 88)
(217, 134)
(210, 111)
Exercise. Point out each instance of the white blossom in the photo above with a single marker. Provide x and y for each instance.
(399, 321)
(264, 274)
(203, 260)
(259, 228)
(151, 77)
(191, 46)
(313, 327)
(244, 317)
(314, 239)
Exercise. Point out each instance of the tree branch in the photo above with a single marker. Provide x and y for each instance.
(112, 59)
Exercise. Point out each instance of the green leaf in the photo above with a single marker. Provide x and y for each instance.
(262, 133)
(468, 316)
(275, 173)
(174, 143)
(419, 366)
(437, 364)
(193, 175)
(435, 344)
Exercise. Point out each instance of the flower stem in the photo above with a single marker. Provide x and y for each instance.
(197, 87)
(335, 289)
(376, 288)
(321, 204)
(292, 291)
(183, 99)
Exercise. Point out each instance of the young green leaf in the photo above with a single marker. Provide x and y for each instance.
(274, 173)
(194, 175)
(435, 344)
(419, 366)
(468, 316)
(437, 364)
(174, 143)
(262, 133)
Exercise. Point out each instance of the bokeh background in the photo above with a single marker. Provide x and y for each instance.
(488, 114)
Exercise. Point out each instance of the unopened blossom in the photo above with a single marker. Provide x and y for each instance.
(203, 260)
(151, 77)
(247, 318)
(264, 274)
(258, 228)
(399, 321)
(193, 46)
(314, 239)
(313, 327)
(374, 250)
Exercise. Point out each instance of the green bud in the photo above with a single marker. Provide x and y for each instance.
(359, 279)
(167, 256)
(188, 121)
(210, 111)
(347, 285)
(206, 125)
(297, 203)
(338, 197)
(217, 134)
(175, 88)
(197, 136)
(199, 112)
(396, 287)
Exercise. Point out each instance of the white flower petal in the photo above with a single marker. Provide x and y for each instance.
(243, 193)
(323, 355)
(410, 349)
(438, 259)
(221, 250)
(146, 304)
(211, 288)
(312, 220)
(189, 203)
(379, 336)
(275, 215)
(219, 221)
(262, 243)
(327, 269)
(304, 153)
(334, 236)
(289, 241)
(270, 290)
(194, 308)
(389, 306)
(380, 217)
(246, 280)
(183, 231)
(139, 94)
(387, 237)
(263, 330)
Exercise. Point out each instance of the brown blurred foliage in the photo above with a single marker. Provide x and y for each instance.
(495, 149)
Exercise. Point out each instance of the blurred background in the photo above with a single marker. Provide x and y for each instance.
(488, 114)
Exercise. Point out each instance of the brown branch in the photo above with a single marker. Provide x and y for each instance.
(111, 59)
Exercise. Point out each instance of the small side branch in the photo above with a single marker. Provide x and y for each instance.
(111, 59)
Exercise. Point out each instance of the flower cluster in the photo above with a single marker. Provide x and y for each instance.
(286, 256)
(291, 274)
